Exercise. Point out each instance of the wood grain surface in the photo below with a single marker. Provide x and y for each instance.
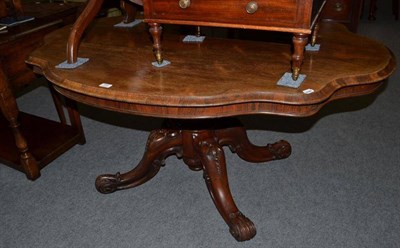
(217, 78)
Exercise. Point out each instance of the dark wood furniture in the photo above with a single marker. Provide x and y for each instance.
(129, 9)
(201, 93)
(14, 7)
(28, 142)
(373, 7)
(297, 17)
(347, 12)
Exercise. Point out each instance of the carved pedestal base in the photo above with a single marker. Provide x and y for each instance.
(200, 149)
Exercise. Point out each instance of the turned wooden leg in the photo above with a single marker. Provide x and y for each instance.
(372, 9)
(87, 15)
(155, 31)
(128, 10)
(215, 174)
(58, 104)
(314, 35)
(75, 119)
(9, 108)
(395, 9)
(299, 42)
(198, 31)
(73, 113)
(17, 6)
(161, 144)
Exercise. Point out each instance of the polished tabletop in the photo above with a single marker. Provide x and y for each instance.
(216, 78)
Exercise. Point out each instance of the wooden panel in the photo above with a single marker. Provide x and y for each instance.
(344, 11)
(3, 8)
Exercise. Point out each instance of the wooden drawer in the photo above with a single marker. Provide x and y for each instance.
(269, 13)
(339, 10)
(343, 11)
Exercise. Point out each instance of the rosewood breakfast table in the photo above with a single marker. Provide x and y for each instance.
(203, 89)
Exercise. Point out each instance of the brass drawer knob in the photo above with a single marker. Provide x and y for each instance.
(251, 7)
(338, 7)
(184, 4)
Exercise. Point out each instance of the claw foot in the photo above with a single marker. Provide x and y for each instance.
(242, 228)
(107, 184)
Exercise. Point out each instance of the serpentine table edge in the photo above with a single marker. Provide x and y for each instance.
(220, 99)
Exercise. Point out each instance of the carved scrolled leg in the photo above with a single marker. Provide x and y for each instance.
(155, 31)
(237, 140)
(215, 175)
(242, 228)
(160, 144)
(200, 143)
(299, 42)
(87, 15)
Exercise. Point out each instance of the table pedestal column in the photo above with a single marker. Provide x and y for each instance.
(199, 144)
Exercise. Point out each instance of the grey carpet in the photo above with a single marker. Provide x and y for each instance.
(339, 188)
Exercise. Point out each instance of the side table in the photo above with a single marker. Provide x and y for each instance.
(201, 92)
(29, 142)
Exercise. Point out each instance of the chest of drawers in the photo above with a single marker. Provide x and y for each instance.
(299, 17)
(280, 15)
(295, 16)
